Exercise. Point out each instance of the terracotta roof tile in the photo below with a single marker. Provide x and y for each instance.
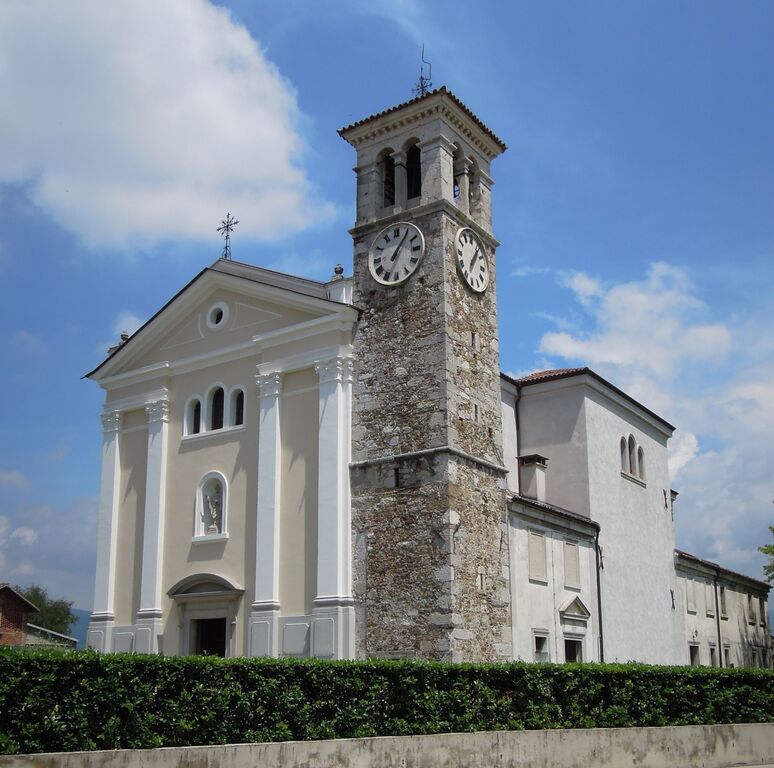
(438, 91)
(554, 373)
(538, 377)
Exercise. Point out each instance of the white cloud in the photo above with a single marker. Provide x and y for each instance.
(29, 344)
(586, 288)
(12, 478)
(656, 339)
(25, 536)
(645, 326)
(682, 448)
(135, 122)
(126, 322)
(52, 546)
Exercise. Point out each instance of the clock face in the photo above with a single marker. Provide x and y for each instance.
(471, 260)
(395, 253)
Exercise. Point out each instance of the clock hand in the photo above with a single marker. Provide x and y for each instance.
(400, 245)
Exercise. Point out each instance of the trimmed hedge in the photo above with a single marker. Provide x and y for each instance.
(52, 701)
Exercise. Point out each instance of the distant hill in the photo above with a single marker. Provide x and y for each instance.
(81, 626)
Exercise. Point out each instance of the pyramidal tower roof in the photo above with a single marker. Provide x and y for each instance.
(440, 101)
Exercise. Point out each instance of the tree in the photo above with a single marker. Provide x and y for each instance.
(768, 550)
(54, 614)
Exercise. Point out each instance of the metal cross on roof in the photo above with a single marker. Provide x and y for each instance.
(225, 229)
(422, 88)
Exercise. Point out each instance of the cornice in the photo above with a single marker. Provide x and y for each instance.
(187, 298)
(436, 105)
(407, 214)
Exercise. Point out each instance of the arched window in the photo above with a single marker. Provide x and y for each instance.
(387, 173)
(473, 181)
(624, 456)
(193, 417)
(641, 463)
(211, 505)
(413, 172)
(216, 408)
(458, 171)
(237, 409)
(632, 456)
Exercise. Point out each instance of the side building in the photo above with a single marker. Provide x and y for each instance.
(726, 614)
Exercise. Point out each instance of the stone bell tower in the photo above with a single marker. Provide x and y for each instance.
(430, 555)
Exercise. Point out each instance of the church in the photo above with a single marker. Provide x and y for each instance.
(340, 469)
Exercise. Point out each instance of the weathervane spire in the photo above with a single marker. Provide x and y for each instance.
(225, 229)
(423, 86)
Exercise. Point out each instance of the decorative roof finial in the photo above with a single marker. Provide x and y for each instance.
(422, 88)
(226, 228)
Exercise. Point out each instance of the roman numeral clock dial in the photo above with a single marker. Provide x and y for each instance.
(395, 253)
(471, 260)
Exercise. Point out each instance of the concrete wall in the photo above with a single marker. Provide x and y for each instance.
(537, 602)
(708, 746)
(744, 638)
(553, 424)
(637, 536)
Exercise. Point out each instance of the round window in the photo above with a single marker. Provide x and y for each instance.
(217, 316)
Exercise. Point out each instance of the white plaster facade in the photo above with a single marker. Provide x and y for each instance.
(225, 505)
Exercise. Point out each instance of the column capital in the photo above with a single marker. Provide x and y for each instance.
(334, 369)
(269, 384)
(157, 411)
(111, 421)
(438, 142)
(399, 156)
(461, 165)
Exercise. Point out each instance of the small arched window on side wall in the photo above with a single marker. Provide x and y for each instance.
(216, 408)
(192, 424)
(641, 463)
(211, 506)
(237, 408)
(632, 456)
(624, 456)
(413, 172)
(387, 177)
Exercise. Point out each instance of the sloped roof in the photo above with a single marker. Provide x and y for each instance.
(301, 285)
(7, 587)
(553, 374)
(715, 566)
(443, 90)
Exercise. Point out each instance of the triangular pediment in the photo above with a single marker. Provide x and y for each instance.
(217, 313)
(574, 608)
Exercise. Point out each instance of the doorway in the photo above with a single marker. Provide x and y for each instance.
(573, 650)
(209, 637)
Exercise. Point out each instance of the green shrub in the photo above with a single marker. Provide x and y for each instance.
(52, 701)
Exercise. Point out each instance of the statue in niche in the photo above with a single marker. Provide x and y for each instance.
(214, 507)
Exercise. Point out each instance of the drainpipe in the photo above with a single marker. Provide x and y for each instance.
(717, 619)
(599, 601)
(518, 436)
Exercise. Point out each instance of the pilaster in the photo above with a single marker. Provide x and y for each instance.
(437, 169)
(264, 616)
(333, 611)
(149, 616)
(462, 177)
(401, 180)
(102, 617)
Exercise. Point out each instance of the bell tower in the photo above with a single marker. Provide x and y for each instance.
(430, 555)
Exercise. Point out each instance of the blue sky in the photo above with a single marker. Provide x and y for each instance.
(635, 207)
